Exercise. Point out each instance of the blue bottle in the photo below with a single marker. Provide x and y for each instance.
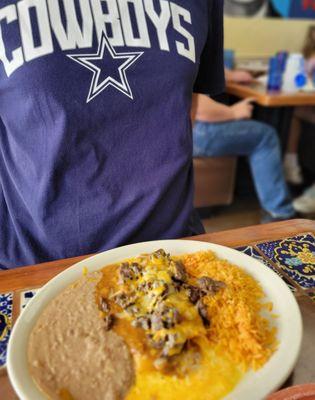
(274, 75)
(282, 58)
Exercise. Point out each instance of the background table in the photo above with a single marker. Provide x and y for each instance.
(266, 99)
(275, 109)
(35, 276)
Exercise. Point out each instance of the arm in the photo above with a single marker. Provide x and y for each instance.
(238, 76)
(193, 110)
(208, 110)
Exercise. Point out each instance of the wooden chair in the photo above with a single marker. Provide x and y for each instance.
(214, 181)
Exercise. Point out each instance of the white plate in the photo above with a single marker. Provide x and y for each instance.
(254, 386)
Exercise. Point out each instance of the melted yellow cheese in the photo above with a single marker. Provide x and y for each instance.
(213, 379)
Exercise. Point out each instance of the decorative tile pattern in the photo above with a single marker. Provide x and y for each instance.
(26, 296)
(309, 237)
(6, 300)
(252, 252)
(295, 257)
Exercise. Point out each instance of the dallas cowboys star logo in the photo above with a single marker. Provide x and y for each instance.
(108, 67)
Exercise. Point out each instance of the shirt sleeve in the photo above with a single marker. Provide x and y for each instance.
(210, 79)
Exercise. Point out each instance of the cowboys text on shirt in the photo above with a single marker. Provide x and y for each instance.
(124, 21)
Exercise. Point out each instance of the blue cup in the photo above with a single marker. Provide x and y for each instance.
(229, 58)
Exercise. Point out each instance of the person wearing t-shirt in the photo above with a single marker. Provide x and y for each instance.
(95, 129)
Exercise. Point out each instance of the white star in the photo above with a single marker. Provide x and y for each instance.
(97, 84)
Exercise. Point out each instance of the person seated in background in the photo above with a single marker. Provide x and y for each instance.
(305, 203)
(221, 130)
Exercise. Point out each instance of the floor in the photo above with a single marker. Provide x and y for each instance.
(243, 212)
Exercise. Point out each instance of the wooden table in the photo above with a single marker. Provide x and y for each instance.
(262, 97)
(275, 109)
(37, 275)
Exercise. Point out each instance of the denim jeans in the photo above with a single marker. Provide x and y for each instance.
(260, 143)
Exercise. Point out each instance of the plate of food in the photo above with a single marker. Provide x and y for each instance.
(159, 320)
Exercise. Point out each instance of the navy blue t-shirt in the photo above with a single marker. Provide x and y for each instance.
(95, 130)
